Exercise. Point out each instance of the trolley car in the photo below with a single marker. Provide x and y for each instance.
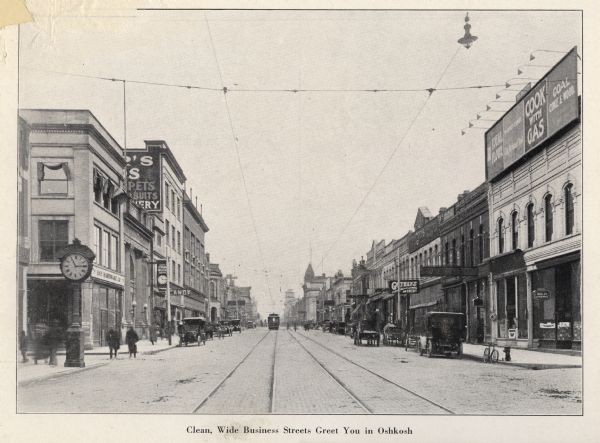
(273, 321)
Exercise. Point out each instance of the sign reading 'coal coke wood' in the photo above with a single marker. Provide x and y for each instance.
(548, 107)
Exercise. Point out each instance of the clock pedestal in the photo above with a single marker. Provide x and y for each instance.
(75, 335)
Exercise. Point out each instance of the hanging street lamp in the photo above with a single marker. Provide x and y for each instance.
(467, 40)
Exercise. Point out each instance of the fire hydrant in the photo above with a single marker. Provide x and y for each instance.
(507, 353)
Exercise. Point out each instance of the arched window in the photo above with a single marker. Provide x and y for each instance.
(435, 257)
(515, 230)
(530, 226)
(569, 210)
(549, 217)
(447, 255)
(463, 257)
(500, 235)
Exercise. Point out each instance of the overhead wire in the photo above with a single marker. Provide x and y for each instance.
(389, 159)
(281, 90)
(237, 151)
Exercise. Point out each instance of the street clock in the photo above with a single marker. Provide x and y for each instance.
(76, 261)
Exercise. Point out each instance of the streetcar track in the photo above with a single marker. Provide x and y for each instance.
(230, 373)
(375, 374)
(336, 379)
(272, 392)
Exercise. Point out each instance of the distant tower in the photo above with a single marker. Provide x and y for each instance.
(309, 275)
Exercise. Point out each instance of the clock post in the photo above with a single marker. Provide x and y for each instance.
(76, 266)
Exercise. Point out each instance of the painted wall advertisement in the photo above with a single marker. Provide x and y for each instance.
(143, 180)
(548, 107)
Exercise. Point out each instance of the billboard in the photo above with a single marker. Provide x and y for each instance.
(549, 106)
(144, 179)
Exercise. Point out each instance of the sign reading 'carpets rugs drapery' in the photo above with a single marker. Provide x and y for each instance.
(549, 106)
(143, 179)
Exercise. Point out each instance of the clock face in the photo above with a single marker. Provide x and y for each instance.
(75, 267)
(162, 279)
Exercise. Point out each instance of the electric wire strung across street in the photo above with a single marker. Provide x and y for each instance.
(390, 157)
(292, 90)
(237, 151)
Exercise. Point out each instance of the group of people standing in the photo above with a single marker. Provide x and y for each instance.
(114, 342)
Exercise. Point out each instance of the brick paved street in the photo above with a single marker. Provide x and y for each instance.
(180, 380)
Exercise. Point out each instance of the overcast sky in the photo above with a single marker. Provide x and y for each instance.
(308, 158)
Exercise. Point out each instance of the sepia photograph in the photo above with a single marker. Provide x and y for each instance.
(275, 211)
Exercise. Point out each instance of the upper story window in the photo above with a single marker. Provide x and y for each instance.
(167, 231)
(446, 254)
(53, 178)
(54, 236)
(167, 193)
(471, 250)
(569, 210)
(454, 261)
(500, 235)
(104, 192)
(172, 202)
(530, 226)
(515, 230)
(463, 256)
(549, 217)
(435, 257)
(480, 243)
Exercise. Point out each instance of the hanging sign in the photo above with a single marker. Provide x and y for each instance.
(144, 179)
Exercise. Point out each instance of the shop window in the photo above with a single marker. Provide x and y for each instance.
(569, 210)
(522, 313)
(530, 226)
(500, 236)
(53, 178)
(501, 307)
(515, 230)
(54, 236)
(549, 217)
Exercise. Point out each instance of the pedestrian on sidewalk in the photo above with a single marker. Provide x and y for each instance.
(132, 338)
(23, 345)
(114, 342)
(153, 334)
(54, 339)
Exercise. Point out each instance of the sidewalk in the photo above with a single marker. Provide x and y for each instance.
(29, 372)
(526, 358)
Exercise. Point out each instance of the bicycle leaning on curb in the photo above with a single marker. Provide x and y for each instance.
(490, 354)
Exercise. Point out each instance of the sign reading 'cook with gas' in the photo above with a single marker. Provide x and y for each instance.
(547, 108)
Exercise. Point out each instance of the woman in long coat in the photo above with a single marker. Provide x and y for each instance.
(113, 342)
(131, 338)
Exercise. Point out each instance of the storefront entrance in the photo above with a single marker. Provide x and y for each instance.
(556, 305)
(47, 302)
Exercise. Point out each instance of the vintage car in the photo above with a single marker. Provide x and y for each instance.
(192, 331)
(442, 333)
(235, 326)
(250, 324)
(393, 335)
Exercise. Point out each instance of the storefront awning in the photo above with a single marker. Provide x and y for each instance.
(388, 296)
(376, 298)
(424, 305)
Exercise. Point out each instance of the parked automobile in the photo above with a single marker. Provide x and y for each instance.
(192, 330)
(235, 326)
(442, 333)
(250, 325)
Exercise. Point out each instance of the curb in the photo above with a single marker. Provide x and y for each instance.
(532, 366)
(60, 374)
